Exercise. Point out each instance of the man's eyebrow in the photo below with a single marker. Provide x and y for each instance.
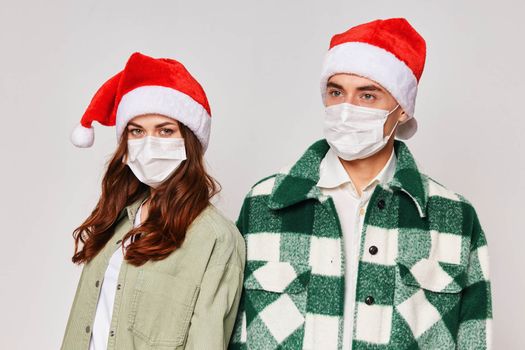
(334, 85)
(369, 88)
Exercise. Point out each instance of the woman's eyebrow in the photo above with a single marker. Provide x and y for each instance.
(157, 126)
(164, 124)
(133, 124)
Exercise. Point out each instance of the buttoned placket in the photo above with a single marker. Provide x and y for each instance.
(98, 285)
(121, 280)
(101, 269)
(116, 304)
(359, 220)
(116, 243)
(335, 181)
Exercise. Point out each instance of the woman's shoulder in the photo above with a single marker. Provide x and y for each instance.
(213, 224)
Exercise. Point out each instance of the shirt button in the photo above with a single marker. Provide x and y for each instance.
(362, 211)
(118, 286)
(97, 283)
(373, 250)
(369, 300)
(381, 204)
(112, 333)
(88, 329)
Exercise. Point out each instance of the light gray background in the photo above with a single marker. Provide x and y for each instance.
(259, 63)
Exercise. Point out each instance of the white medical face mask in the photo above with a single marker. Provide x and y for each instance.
(355, 132)
(154, 159)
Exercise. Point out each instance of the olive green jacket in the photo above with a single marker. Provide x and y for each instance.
(187, 301)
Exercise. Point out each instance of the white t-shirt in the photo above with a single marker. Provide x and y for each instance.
(104, 312)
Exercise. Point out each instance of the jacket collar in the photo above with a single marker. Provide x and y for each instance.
(299, 184)
(132, 208)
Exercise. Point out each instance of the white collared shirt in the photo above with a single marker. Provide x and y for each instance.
(106, 299)
(335, 182)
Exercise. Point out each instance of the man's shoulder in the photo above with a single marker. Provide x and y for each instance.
(303, 167)
(436, 190)
(453, 212)
(264, 186)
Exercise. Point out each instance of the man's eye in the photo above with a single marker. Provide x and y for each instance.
(368, 96)
(335, 93)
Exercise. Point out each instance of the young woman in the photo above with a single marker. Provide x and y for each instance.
(163, 268)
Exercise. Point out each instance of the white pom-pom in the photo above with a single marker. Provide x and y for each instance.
(407, 129)
(82, 136)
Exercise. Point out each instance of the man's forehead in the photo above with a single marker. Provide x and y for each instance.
(353, 80)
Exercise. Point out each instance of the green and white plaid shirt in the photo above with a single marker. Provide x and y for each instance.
(426, 286)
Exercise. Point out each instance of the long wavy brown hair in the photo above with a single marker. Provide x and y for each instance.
(173, 206)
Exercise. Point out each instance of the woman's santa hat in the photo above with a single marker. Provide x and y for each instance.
(389, 52)
(147, 85)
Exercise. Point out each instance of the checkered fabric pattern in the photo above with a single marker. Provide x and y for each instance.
(425, 285)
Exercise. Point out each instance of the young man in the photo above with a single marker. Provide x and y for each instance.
(352, 247)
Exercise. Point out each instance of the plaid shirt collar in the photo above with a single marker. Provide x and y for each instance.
(300, 183)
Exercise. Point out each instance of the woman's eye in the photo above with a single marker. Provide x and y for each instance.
(135, 132)
(166, 131)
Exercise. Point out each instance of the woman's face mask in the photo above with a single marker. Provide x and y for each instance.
(153, 159)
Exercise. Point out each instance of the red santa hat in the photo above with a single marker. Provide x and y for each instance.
(147, 85)
(389, 52)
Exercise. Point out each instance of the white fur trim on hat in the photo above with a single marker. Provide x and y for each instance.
(376, 64)
(82, 136)
(166, 101)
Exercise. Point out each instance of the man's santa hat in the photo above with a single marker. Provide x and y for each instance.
(389, 52)
(147, 85)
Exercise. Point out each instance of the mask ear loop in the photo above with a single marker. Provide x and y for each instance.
(395, 125)
(393, 129)
(392, 111)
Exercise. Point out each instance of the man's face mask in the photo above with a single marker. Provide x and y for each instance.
(355, 132)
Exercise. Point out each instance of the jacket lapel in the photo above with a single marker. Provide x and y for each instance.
(299, 183)
(131, 209)
(408, 179)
